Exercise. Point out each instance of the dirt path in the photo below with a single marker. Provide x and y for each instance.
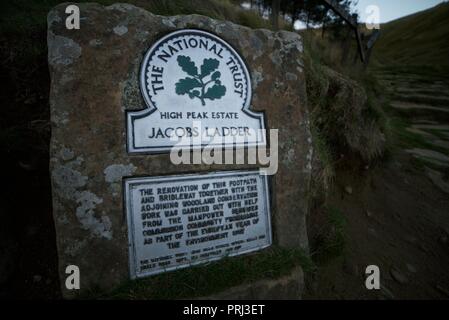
(397, 214)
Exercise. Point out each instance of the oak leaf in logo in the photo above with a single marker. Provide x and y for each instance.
(204, 84)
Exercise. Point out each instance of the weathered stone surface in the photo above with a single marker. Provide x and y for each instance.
(94, 80)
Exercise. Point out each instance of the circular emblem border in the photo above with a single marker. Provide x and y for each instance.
(174, 34)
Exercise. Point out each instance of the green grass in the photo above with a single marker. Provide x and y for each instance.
(418, 39)
(346, 107)
(339, 54)
(346, 111)
(203, 280)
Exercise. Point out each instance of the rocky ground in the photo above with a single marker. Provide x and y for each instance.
(397, 213)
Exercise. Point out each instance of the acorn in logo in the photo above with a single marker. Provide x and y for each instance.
(198, 85)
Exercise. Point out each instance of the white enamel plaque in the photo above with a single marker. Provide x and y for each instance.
(198, 91)
(179, 221)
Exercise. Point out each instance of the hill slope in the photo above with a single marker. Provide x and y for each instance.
(418, 39)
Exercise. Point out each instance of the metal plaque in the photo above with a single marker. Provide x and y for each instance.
(198, 91)
(182, 220)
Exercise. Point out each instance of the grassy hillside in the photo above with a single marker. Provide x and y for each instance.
(419, 39)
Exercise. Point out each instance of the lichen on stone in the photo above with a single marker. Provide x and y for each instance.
(85, 212)
(62, 50)
(120, 30)
(257, 77)
(66, 154)
(68, 180)
(115, 172)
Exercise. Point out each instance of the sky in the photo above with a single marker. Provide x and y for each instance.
(388, 9)
(394, 9)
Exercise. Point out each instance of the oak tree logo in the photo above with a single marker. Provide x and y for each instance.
(191, 74)
(198, 85)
